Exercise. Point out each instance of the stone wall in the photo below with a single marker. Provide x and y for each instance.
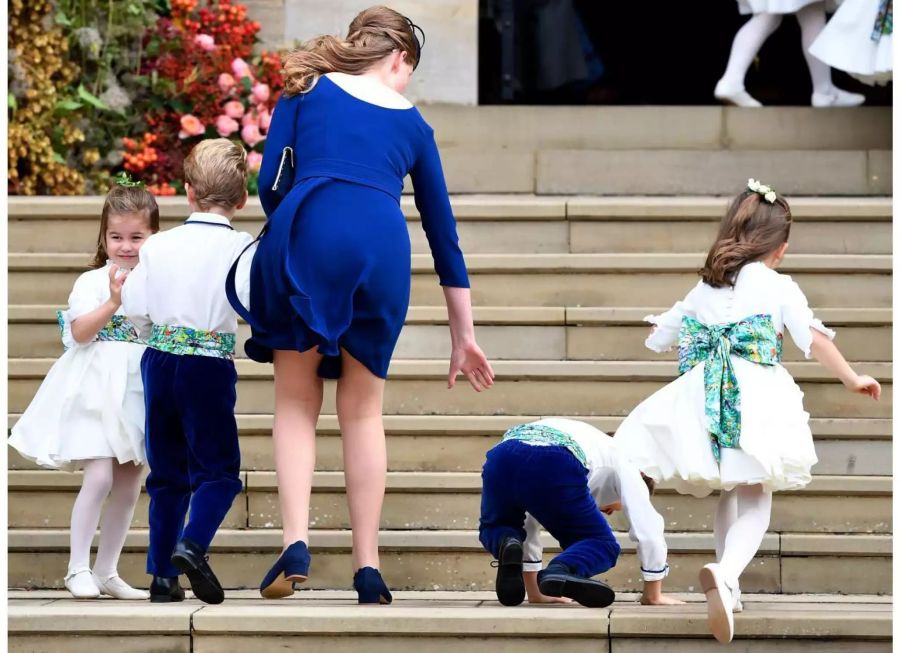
(449, 69)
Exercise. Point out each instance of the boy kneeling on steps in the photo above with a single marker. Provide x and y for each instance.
(564, 474)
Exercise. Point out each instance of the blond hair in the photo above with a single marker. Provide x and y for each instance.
(374, 34)
(123, 200)
(216, 169)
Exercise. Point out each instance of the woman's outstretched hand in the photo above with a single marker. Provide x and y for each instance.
(471, 361)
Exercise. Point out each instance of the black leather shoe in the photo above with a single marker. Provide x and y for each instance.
(558, 580)
(166, 589)
(191, 560)
(510, 585)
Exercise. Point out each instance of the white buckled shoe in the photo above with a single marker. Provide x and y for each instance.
(739, 97)
(81, 584)
(117, 588)
(719, 603)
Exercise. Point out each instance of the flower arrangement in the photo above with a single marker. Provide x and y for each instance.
(98, 88)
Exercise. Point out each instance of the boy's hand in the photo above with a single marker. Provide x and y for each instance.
(653, 595)
(534, 592)
(865, 385)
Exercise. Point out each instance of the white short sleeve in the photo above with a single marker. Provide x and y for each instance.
(86, 295)
(668, 324)
(798, 316)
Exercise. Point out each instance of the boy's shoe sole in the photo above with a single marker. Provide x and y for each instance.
(587, 592)
(510, 585)
(204, 587)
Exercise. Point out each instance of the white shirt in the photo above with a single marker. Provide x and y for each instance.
(758, 289)
(180, 276)
(610, 478)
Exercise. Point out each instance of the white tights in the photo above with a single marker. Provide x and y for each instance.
(741, 522)
(122, 483)
(750, 38)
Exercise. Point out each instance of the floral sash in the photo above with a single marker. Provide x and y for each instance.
(185, 341)
(753, 339)
(546, 435)
(884, 21)
(118, 329)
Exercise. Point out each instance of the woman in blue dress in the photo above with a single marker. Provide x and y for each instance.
(330, 280)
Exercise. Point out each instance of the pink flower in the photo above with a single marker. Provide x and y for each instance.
(240, 68)
(226, 82)
(251, 135)
(205, 41)
(254, 161)
(261, 92)
(234, 109)
(190, 126)
(265, 119)
(250, 118)
(226, 126)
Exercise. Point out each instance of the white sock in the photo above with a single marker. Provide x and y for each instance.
(754, 506)
(126, 489)
(812, 22)
(98, 480)
(747, 42)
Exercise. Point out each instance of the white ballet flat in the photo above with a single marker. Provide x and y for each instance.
(739, 97)
(81, 584)
(837, 98)
(719, 603)
(117, 588)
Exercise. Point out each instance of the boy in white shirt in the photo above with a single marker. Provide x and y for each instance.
(176, 298)
(563, 474)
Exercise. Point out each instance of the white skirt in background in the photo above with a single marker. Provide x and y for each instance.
(666, 436)
(846, 43)
(779, 6)
(90, 405)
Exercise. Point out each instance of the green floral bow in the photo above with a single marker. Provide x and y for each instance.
(753, 339)
(126, 180)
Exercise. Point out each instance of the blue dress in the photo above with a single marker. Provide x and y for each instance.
(332, 270)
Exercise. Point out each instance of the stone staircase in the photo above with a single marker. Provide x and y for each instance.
(560, 285)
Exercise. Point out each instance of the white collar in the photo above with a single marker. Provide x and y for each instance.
(215, 218)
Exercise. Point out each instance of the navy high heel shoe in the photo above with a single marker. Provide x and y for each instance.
(370, 586)
(291, 567)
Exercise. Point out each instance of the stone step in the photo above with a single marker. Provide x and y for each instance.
(439, 622)
(442, 500)
(519, 333)
(454, 560)
(438, 443)
(521, 387)
(849, 281)
(518, 224)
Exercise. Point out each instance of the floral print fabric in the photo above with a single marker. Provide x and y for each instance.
(754, 339)
(118, 329)
(185, 341)
(546, 435)
(884, 21)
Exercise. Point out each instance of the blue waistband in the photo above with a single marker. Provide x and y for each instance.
(350, 171)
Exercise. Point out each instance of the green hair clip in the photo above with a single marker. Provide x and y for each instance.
(124, 179)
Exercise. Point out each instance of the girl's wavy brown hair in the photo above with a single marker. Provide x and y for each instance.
(751, 230)
(122, 200)
(373, 35)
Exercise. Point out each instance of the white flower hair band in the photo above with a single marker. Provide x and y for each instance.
(767, 192)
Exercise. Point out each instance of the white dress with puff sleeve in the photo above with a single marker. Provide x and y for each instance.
(667, 437)
(91, 403)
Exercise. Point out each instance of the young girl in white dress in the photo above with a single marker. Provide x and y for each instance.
(858, 40)
(767, 16)
(89, 411)
(734, 420)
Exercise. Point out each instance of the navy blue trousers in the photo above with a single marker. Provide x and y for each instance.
(550, 484)
(192, 449)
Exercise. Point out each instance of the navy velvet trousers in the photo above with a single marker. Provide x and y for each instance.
(192, 449)
(550, 484)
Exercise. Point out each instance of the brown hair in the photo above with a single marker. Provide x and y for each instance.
(751, 229)
(373, 35)
(119, 201)
(649, 482)
(216, 169)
